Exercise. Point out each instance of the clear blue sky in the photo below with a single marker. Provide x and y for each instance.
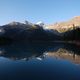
(48, 11)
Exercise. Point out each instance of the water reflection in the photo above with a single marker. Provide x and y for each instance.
(39, 61)
(27, 51)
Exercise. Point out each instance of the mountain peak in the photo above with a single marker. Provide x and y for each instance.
(14, 23)
(40, 23)
(76, 17)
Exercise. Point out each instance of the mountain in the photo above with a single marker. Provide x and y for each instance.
(27, 31)
(17, 31)
(66, 25)
(40, 23)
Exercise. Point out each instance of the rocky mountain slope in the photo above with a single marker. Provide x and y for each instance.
(66, 25)
(26, 31)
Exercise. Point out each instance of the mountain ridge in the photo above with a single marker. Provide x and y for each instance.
(74, 22)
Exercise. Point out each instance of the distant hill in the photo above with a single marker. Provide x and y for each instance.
(66, 25)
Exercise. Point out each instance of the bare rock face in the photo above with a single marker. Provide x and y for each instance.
(74, 22)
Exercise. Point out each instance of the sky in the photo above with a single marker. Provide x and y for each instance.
(47, 11)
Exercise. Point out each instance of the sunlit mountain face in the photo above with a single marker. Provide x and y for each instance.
(40, 51)
(66, 25)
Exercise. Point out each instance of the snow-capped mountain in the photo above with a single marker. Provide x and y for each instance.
(40, 23)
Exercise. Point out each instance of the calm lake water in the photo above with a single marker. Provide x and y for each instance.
(39, 61)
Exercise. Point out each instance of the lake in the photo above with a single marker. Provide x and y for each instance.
(39, 61)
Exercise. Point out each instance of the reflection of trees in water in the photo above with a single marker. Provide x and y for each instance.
(38, 50)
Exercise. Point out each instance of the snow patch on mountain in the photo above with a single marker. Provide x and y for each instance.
(40, 23)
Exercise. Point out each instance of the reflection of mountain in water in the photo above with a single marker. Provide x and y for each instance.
(64, 54)
(39, 50)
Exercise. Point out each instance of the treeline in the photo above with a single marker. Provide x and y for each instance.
(72, 35)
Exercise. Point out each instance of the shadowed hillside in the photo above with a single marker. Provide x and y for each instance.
(16, 31)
